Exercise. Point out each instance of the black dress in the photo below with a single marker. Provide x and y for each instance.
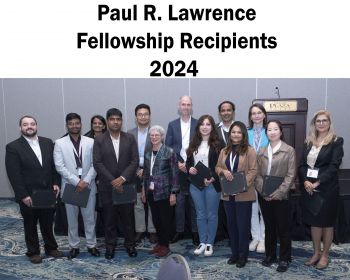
(328, 162)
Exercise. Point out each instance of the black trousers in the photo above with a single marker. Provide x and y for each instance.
(162, 213)
(125, 212)
(277, 220)
(239, 215)
(30, 221)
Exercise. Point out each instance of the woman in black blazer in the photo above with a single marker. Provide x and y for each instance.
(318, 173)
(205, 147)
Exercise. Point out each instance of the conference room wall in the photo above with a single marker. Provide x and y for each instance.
(49, 100)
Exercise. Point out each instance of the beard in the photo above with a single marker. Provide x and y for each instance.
(29, 132)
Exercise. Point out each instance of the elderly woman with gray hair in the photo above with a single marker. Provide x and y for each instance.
(160, 186)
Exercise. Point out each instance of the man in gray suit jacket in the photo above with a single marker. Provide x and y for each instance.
(73, 160)
(116, 160)
(140, 132)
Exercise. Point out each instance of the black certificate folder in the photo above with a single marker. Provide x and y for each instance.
(43, 199)
(128, 195)
(270, 184)
(70, 196)
(237, 185)
(203, 172)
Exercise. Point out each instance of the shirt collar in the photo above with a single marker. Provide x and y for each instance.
(32, 140)
(221, 124)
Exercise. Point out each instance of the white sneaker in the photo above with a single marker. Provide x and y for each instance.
(253, 244)
(208, 250)
(200, 249)
(261, 247)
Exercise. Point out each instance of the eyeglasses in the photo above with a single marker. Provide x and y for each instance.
(321, 121)
(143, 115)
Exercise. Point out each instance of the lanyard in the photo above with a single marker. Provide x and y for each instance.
(78, 157)
(232, 161)
(153, 159)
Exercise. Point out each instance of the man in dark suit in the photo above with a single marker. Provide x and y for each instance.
(140, 132)
(178, 137)
(116, 160)
(227, 115)
(30, 166)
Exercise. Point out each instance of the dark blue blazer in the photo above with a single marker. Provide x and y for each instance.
(173, 137)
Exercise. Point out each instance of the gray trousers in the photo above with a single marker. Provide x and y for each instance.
(140, 219)
(88, 214)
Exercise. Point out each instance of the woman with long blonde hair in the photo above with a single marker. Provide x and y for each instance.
(318, 173)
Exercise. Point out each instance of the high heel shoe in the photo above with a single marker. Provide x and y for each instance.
(312, 263)
(322, 266)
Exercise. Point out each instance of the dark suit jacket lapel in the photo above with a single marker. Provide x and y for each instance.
(323, 150)
(178, 132)
(109, 146)
(27, 149)
(193, 127)
(44, 153)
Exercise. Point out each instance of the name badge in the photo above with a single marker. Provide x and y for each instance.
(80, 171)
(151, 186)
(312, 173)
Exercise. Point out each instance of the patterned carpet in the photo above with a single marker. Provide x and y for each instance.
(15, 265)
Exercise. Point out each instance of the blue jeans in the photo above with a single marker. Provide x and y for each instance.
(206, 203)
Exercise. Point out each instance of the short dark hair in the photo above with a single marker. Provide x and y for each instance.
(114, 112)
(26, 116)
(142, 106)
(227, 102)
(72, 116)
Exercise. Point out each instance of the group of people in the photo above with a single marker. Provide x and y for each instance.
(160, 164)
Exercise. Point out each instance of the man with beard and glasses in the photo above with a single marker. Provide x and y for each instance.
(116, 160)
(30, 166)
(73, 160)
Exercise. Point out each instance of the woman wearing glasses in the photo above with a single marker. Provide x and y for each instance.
(258, 140)
(318, 173)
(160, 186)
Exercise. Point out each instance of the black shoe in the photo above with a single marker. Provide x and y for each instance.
(178, 236)
(131, 252)
(109, 254)
(242, 261)
(195, 238)
(35, 259)
(232, 260)
(139, 236)
(73, 253)
(94, 252)
(282, 266)
(268, 261)
(153, 239)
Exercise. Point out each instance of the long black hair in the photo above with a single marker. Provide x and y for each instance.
(242, 147)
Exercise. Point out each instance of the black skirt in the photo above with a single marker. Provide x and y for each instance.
(328, 213)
